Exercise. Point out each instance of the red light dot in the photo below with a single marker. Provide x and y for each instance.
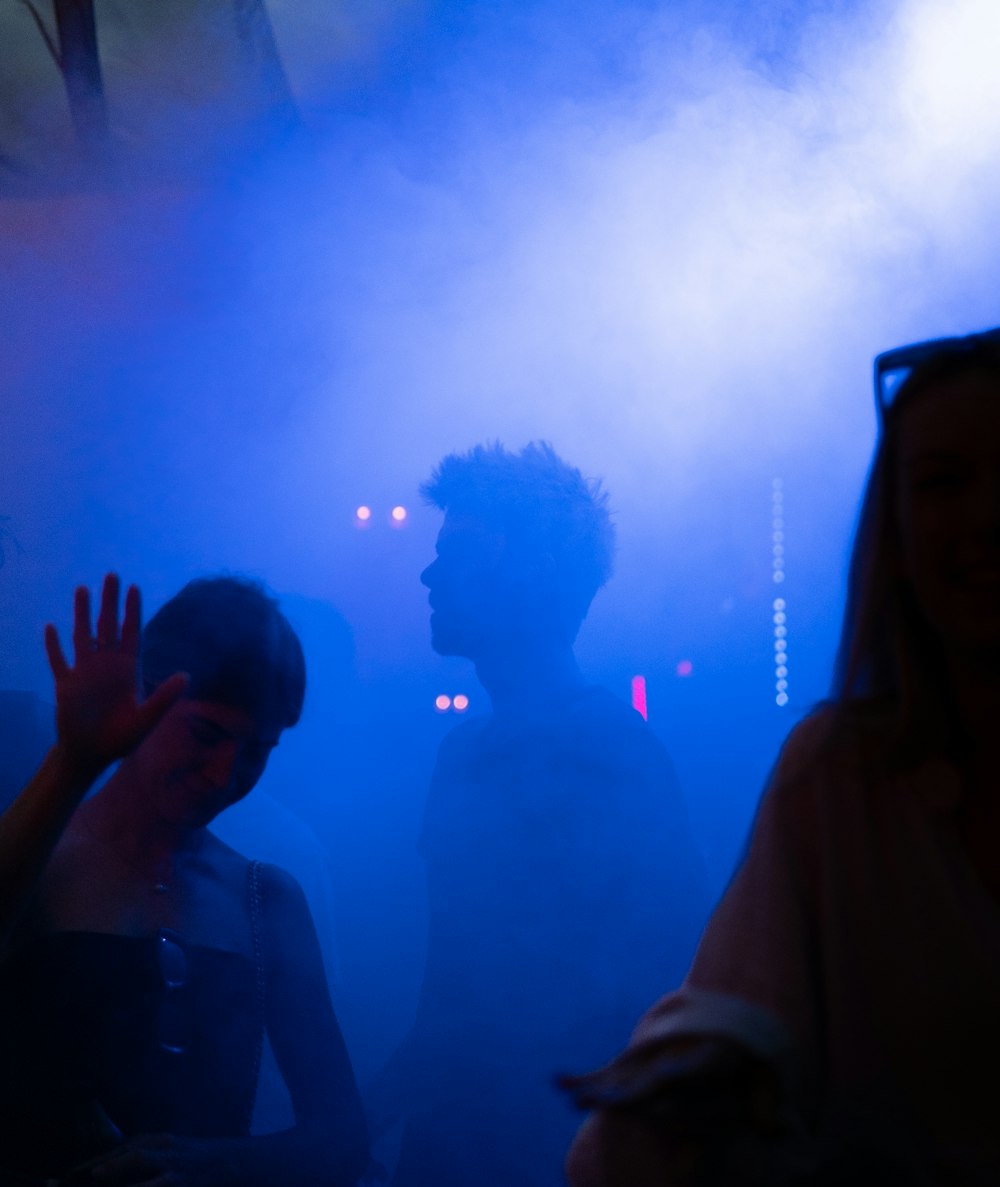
(460, 703)
(685, 668)
(442, 703)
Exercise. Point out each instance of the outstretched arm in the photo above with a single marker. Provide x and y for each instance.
(99, 719)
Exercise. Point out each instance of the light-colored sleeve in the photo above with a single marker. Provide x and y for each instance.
(755, 980)
(761, 948)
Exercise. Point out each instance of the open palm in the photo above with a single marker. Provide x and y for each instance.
(100, 716)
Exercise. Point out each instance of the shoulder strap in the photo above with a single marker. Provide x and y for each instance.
(253, 880)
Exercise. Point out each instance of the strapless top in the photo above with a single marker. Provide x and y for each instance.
(100, 1035)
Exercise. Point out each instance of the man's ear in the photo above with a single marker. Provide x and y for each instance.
(536, 573)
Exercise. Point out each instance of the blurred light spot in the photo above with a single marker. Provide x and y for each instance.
(781, 685)
(781, 672)
(778, 603)
(460, 703)
(779, 577)
(781, 698)
(442, 703)
(363, 514)
(685, 668)
(639, 696)
(398, 514)
(779, 616)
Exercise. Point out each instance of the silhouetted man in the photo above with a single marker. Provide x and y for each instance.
(564, 889)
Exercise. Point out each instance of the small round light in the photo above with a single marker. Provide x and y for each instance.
(398, 514)
(779, 616)
(778, 577)
(685, 668)
(781, 672)
(781, 685)
(363, 514)
(778, 603)
(781, 698)
(460, 703)
(780, 632)
(442, 703)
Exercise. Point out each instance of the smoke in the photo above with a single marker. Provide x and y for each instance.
(668, 238)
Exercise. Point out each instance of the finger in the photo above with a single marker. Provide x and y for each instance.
(53, 649)
(107, 618)
(132, 621)
(83, 640)
(161, 699)
(122, 1166)
(126, 1166)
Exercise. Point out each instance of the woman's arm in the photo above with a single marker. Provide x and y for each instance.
(330, 1139)
(99, 719)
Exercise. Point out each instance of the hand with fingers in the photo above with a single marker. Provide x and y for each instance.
(161, 1160)
(100, 716)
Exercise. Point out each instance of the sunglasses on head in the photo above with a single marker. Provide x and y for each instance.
(893, 367)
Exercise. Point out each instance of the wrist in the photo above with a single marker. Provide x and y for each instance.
(73, 770)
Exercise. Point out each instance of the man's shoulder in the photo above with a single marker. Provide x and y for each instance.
(464, 738)
(607, 727)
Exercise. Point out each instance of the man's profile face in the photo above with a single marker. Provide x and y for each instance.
(469, 598)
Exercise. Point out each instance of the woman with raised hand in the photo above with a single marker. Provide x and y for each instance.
(840, 1021)
(143, 959)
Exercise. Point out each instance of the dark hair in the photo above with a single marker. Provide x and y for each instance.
(888, 653)
(544, 508)
(231, 638)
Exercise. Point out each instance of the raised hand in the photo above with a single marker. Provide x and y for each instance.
(100, 716)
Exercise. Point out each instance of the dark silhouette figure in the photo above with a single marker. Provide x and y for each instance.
(562, 879)
(144, 960)
(839, 1023)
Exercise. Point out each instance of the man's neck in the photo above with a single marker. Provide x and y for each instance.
(524, 683)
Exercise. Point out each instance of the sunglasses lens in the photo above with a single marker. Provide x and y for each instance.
(171, 1019)
(890, 382)
(173, 960)
(172, 1026)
